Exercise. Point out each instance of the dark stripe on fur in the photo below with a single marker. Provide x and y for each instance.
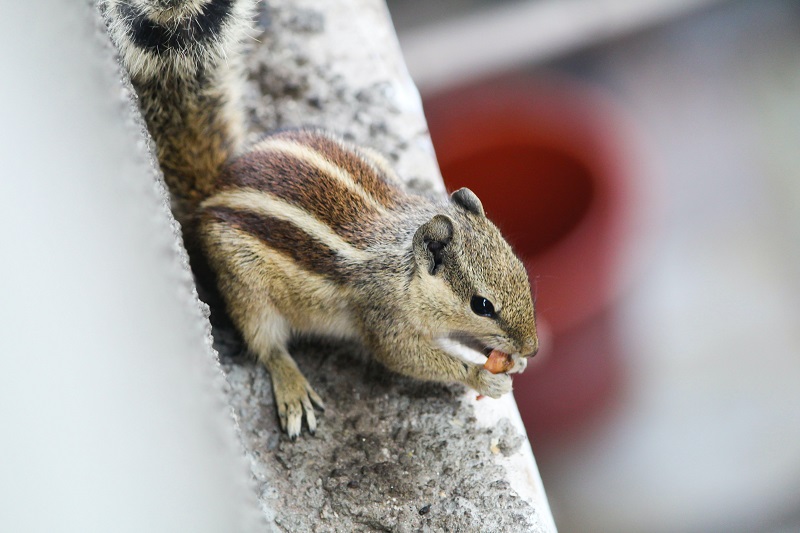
(307, 187)
(368, 176)
(285, 238)
(183, 35)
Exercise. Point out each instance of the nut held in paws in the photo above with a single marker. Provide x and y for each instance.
(498, 362)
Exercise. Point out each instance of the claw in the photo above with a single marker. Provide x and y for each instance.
(294, 397)
(315, 398)
(311, 418)
(282, 415)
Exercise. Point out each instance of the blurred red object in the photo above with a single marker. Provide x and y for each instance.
(548, 160)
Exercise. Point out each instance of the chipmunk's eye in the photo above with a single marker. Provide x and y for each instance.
(481, 306)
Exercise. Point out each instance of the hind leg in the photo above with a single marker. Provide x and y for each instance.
(251, 279)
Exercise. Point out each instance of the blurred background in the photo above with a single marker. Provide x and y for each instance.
(644, 159)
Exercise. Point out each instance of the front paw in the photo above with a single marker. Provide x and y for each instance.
(520, 364)
(488, 384)
(293, 394)
(294, 397)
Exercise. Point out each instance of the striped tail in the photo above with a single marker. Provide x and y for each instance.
(182, 57)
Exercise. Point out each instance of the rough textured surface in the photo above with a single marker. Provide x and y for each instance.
(391, 454)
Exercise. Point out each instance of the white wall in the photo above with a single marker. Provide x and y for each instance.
(111, 417)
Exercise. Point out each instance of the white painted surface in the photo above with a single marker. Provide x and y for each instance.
(520, 466)
(112, 417)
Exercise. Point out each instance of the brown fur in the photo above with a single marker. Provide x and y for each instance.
(289, 179)
(285, 238)
(371, 176)
(195, 136)
(394, 305)
(188, 95)
(308, 234)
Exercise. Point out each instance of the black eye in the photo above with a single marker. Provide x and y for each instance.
(481, 306)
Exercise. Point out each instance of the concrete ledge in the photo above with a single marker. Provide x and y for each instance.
(391, 453)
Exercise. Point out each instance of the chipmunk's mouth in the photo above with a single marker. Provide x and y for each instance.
(471, 350)
(467, 348)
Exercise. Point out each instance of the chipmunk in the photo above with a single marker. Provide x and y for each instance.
(308, 234)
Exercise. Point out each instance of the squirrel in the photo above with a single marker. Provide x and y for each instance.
(308, 234)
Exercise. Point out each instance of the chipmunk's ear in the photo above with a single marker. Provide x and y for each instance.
(466, 198)
(430, 242)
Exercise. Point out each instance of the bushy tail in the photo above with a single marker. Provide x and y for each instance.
(183, 60)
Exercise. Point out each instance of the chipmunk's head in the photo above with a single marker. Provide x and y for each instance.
(474, 292)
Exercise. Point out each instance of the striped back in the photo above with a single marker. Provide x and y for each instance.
(313, 198)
